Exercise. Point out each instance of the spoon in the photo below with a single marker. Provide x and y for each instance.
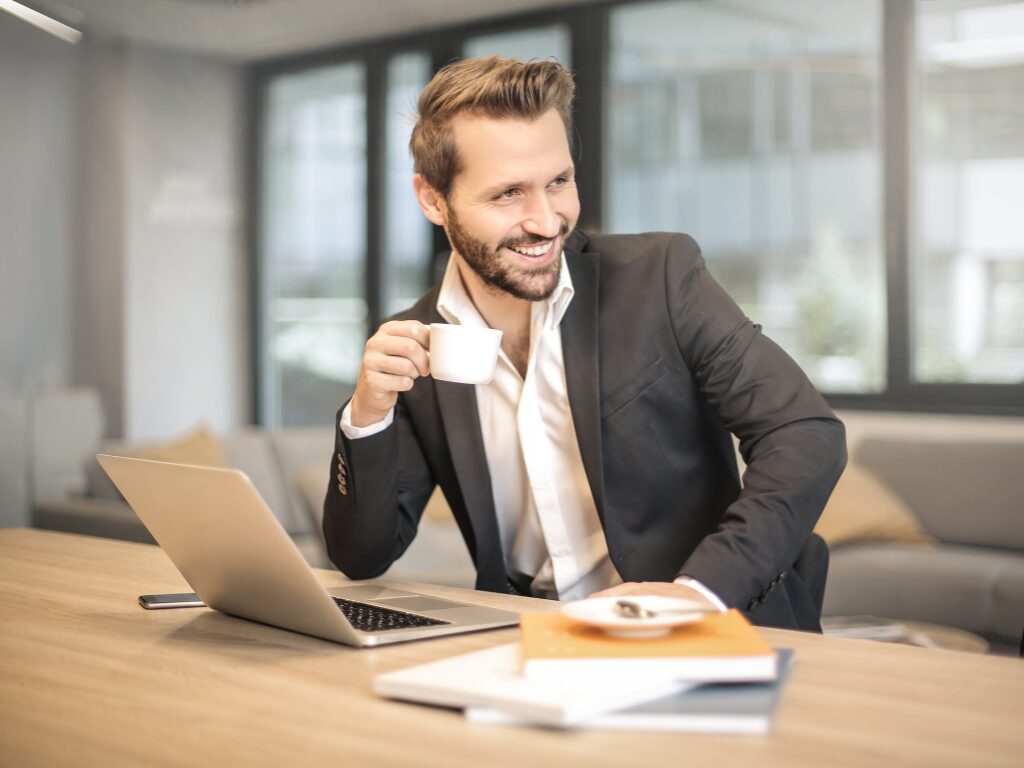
(628, 609)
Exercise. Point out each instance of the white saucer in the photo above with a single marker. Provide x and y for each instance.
(600, 612)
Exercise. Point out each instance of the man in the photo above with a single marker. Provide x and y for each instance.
(599, 459)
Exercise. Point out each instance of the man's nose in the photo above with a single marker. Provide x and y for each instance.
(541, 218)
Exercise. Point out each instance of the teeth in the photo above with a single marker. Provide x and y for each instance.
(539, 250)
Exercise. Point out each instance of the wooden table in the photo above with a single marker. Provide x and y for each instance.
(89, 678)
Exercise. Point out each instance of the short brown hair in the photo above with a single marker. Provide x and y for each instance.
(489, 87)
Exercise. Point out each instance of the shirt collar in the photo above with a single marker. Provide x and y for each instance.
(455, 305)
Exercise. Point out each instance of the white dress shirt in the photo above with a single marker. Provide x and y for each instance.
(547, 519)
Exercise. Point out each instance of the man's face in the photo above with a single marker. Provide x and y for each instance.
(514, 202)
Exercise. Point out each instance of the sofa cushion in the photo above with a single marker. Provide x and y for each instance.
(980, 590)
(250, 450)
(296, 450)
(198, 446)
(863, 509)
(312, 485)
(247, 449)
(963, 492)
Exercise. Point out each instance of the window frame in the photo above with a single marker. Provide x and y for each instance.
(589, 29)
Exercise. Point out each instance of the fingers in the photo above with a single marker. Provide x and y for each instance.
(399, 341)
(394, 358)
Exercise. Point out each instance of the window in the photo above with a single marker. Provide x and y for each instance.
(968, 267)
(407, 246)
(313, 243)
(853, 172)
(523, 44)
(756, 133)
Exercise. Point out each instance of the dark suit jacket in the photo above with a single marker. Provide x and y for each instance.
(661, 365)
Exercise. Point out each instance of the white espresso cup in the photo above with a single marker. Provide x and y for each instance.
(462, 354)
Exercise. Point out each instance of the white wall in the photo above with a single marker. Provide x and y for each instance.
(99, 255)
(186, 282)
(121, 239)
(38, 115)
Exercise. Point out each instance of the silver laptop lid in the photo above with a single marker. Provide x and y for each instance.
(218, 531)
(216, 528)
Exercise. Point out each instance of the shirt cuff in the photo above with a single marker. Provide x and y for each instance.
(696, 586)
(354, 433)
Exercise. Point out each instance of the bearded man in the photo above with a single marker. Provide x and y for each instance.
(599, 459)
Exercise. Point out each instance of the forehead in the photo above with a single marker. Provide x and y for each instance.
(495, 150)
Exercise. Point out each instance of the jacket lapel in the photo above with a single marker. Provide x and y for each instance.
(458, 407)
(460, 420)
(457, 403)
(582, 366)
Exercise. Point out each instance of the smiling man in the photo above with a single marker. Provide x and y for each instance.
(599, 459)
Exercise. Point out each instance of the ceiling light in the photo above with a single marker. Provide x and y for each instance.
(43, 22)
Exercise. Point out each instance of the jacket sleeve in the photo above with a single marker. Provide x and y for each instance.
(378, 488)
(793, 445)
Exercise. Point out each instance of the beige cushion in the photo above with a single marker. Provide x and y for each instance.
(963, 492)
(862, 508)
(437, 509)
(312, 485)
(200, 446)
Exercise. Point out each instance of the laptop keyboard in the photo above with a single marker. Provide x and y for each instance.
(372, 618)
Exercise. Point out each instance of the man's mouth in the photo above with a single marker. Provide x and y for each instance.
(533, 251)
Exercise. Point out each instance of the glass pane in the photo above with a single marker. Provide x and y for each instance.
(968, 271)
(525, 44)
(313, 237)
(407, 239)
(757, 132)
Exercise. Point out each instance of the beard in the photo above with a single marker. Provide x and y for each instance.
(523, 283)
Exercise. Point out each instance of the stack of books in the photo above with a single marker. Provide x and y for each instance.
(714, 675)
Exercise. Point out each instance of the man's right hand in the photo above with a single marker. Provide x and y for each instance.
(395, 356)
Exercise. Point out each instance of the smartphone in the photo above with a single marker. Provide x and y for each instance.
(181, 600)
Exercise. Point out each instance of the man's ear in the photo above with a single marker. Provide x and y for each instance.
(430, 200)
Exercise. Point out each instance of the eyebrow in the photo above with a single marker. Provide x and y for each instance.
(569, 171)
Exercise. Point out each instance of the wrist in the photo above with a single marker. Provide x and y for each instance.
(352, 432)
(362, 416)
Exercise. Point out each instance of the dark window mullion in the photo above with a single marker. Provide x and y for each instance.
(589, 29)
(376, 170)
(444, 50)
(898, 57)
(255, 94)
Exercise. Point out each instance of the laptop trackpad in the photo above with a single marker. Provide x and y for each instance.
(420, 604)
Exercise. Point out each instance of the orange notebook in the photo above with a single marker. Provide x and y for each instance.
(718, 648)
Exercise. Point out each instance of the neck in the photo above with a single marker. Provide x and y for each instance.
(501, 311)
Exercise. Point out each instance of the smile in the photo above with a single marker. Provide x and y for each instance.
(533, 250)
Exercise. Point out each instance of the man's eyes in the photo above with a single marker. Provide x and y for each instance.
(513, 192)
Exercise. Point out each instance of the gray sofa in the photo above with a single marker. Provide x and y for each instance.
(272, 460)
(968, 493)
(961, 477)
(70, 492)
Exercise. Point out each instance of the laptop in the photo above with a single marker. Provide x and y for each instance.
(218, 531)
